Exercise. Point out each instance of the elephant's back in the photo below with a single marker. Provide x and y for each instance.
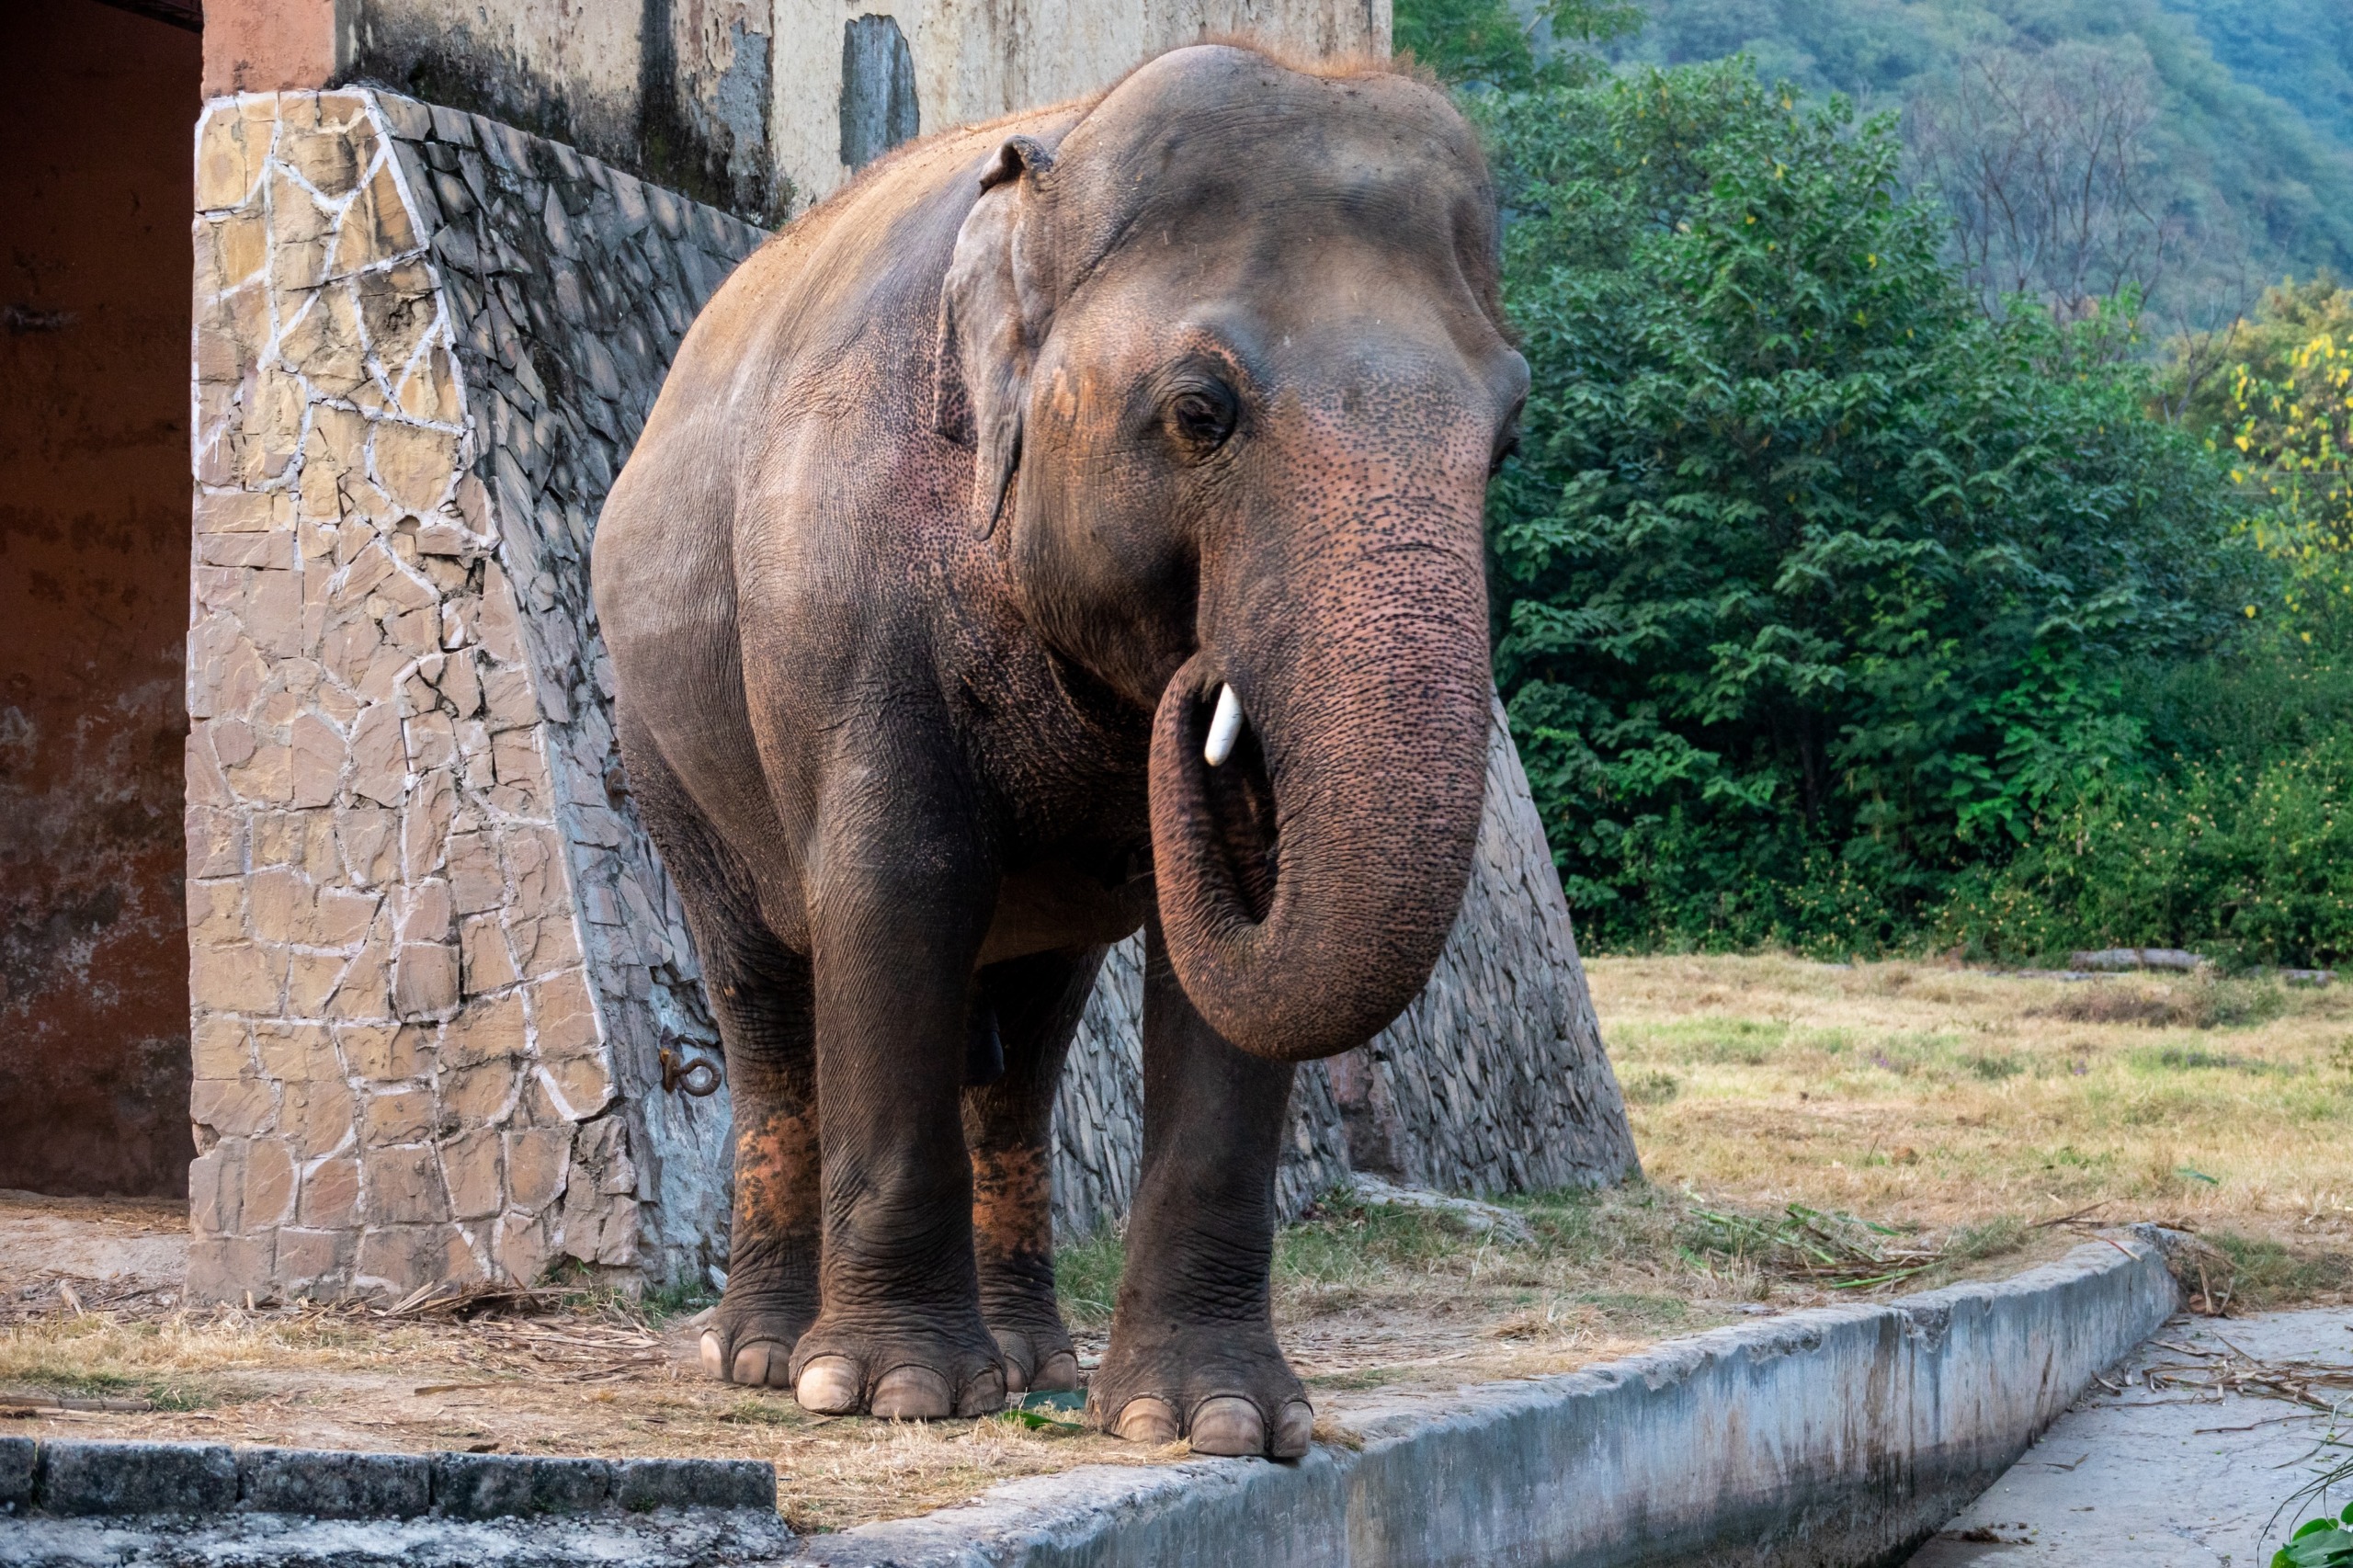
(797, 414)
(831, 322)
(851, 283)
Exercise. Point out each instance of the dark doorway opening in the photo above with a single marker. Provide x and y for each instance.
(97, 108)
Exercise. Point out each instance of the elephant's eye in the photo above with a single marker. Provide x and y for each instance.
(1202, 419)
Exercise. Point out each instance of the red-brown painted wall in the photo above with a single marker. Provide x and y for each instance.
(97, 108)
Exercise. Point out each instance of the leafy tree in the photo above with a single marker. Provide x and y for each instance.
(1815, 586)
(1487, 45)
(2275, 391)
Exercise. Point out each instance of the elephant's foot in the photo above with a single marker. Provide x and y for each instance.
(1225, 1388)
(1036, 1359)
(897, 1372)
(751, 1337)
(1019, 1306)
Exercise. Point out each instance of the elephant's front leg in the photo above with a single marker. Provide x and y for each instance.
(1193, 1350)
(1034, 1004)
(899, 1331)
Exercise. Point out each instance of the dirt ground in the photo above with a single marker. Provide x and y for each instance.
(1809, 1134)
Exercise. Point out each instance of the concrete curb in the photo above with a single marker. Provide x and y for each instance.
(1837, 1437)
(80, 1480)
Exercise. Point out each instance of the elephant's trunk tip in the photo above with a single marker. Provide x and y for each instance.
(1225, 727)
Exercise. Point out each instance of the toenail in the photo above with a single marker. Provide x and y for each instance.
(1011, 1349)
(1148, 1418)
(1228, 1425)
(911, 1393)
(1059, 1375)
(715, 1359)
(761, 1362)
(984, 1395)
(829, 1385)
(1294, 1429)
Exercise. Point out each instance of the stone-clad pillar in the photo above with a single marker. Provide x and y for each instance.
(433, 963)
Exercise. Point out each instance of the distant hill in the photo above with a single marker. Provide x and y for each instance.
(2253, 140)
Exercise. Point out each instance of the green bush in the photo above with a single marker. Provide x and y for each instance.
(1818, 591)
(2249, 863)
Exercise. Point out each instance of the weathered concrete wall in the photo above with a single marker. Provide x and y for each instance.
(1494, 1080)
(433, 965)
(94, 106)
(1830, 1438)
(739, 103)
(978, 59)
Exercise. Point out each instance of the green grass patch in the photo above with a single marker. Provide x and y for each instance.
(1655, 1086)
(662, 1304)
(2265, 1273)
(1087, 1277)
(1718, 1042)
(1997, 1237)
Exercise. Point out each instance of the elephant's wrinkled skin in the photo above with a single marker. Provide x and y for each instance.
(965, 496)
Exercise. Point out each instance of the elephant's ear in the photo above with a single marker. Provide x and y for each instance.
(993, 312)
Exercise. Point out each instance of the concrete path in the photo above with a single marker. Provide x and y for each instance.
(2163, 1477)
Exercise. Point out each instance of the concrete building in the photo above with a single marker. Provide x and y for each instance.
(758, 107)
(322, 897)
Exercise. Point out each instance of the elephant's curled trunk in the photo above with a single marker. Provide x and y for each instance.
(1307, 885)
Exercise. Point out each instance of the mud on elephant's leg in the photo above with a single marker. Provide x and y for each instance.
(1034, 1004)
(772, 1295)
(898, 1333)
(1193, 1350)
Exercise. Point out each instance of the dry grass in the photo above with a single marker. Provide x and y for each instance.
(1943, 1098)
(1927, 1124)
(342, 1378)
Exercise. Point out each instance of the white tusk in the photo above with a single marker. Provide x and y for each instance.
(1225, 727)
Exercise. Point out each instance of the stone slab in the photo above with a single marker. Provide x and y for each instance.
(75, 1477)
(333, 1485)
(2149, 1480)
(665, 1539)
(17, 1460)
(115, 1479)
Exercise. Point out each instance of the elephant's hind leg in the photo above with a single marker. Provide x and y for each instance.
(1193, 1351)
(760, 992)
(1035, 1004)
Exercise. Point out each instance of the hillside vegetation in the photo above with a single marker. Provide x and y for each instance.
(1851, 599)
(2249, 140)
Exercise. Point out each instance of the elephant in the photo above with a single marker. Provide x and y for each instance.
(1073, 525)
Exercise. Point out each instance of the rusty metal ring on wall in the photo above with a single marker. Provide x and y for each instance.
(699, 1077)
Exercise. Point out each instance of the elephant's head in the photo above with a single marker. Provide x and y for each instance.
(1230, 360)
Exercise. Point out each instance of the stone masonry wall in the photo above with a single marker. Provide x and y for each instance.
(432, 960)
(1494, 1080)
